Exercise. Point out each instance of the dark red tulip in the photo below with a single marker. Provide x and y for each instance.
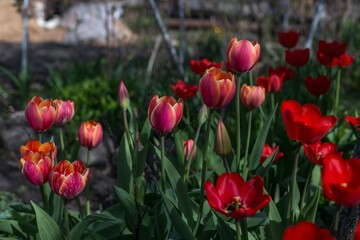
(307, 231)
(318, 85)
(317, 152)
(297, 57)
(267, 151)
(288, 73)
(184, 91)
(341, 180)
(288, 39)
(200, 66)
(235, 198)
(332, 49)
(343, 61)
(273, 83)
(305, 123)
(354, 121)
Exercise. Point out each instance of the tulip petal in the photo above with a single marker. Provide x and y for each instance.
(209, 89)
(72, 186)
(163, 117)
(213, 197)
(33, 173)
(230, 185)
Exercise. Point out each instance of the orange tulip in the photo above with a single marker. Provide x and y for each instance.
(40, 114)
(90, 134)
(48, 149)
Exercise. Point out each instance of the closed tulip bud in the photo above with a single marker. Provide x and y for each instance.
(203, 115)
(65, 111)
(90, 134)
(40, 113)
(222, 143)
(252, 96)
(242, 55)
(165, 113)
(68, 179)
(123, 96)
(217, 87)
(188, 145)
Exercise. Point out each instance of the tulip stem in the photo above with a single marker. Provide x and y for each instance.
(292, 185)
(337, 92)
(163, 176)
(189, 159)
(226, 164)
(44, 198)
(61, 135)
(77, 199)
(243, 226)
(87, 188)
(302, 203)
(66, 220)
(203, 171)
(126, 126)
(238, 133)
(246, 161)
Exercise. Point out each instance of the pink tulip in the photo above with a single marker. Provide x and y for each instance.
(40, 113)
(188, 145)
(252, 96)
(90, 134)
(242, 55)
(65, 111)
(123, 96)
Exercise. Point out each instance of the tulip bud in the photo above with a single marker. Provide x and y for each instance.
(65, 111)
(123, 96)
(165, 113)
(222, 143)
(40, 113)
(188, 145)
(68, 179)
(90, 134)
(203, 115)
(242, 55)
(252, 96)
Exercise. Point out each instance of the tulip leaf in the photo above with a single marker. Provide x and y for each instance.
(308, 211)
(57, 207)
(20, 229)
(179, 148)
(23, 208)
(178, 186)
(48, 229)
(128, 202)
(275, 226)
(162, 224)
(180, 226)
(260, 141)
(142, 148)
(124, 165)
(263, 169)
(224, 231)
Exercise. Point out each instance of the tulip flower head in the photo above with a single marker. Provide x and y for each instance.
(317, 152)
(65, 111)
(184, 91)
(332, 49)
(90, 134)
(236, 198)
(40, 113)
(200, 66)
(305, 123)
(123, 96)
(284, 71)
(288, 39)
(357, 232)
(341, 180)
(48, 148)
(242, 55)
(165, 113)
(354, 121)
(217, 87)
(252, 97)
(308, 231)
(222, 144)
(317, 86)
(273, 83)
(267, 151)
(68, 179)
(188, 145)
(297, 57)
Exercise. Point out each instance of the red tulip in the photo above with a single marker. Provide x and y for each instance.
(165, 113)
(357, 232)
(252, 97)
(341, 180)
(297, 57)
(235, 198)
(65, 111)
(217, 87)
(68, 179)
(284, 71)
(354, 121)
(90, 134)
(267, 151)
(318, 85)
(307, 231)
(343, 61)
(332, 49)
(181, 90)
(288, 39)
(317, 152)
(273, 83)
(242, 55)
(188, 145)
(40, 113)
(305, 123)
(199, 67)
(325, 60)
(123, 96)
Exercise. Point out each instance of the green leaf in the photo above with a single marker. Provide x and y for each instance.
(57, 207)
(48, 229)
(19, 229)
(180, 226)
(124, 165)
(223, 229)
(23, 208)
(308, 212)
(144, 139)
(260, 219)
(178, 186)
(179, 160)
(275, 228)
(162, 222)
(128, 203)
(260, 141)
(263, 169)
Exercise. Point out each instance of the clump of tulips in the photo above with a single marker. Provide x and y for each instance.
(231, 156)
